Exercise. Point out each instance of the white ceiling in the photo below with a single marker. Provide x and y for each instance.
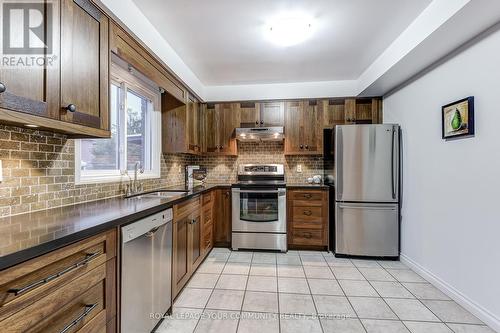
(222, 41)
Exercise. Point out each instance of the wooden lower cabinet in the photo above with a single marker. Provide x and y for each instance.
(71, 287)
(222, 220)
(189, 239)
(307, 211)
(207, 222)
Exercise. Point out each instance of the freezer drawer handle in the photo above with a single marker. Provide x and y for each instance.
(88, 309)
(368, 207)
(22, 290)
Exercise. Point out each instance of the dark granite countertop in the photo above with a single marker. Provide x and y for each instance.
(26, 236)
(307, 186)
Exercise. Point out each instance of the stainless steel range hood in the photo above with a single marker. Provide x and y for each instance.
(255, 134)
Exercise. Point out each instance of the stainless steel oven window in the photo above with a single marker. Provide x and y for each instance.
(259, 207)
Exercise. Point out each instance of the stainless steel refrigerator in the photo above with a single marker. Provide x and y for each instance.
(367, 190)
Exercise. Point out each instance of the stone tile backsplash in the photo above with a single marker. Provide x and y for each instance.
(224, 169)
(38, 170)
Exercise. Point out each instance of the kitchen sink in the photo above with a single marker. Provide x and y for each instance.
(165, 194)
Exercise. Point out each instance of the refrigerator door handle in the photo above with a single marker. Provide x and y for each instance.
(393, 161)
(338, 162)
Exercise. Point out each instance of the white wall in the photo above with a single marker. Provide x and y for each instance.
(451, 210)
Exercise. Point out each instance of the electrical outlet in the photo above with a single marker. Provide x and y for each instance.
(299, 168)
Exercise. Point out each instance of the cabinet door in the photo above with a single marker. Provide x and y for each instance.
(228, 120)
(211, 129)
(84, 64)
(350, 111)
(193, 126)
(249, 114)
(180, 269)
(333, 112)
(195, 247)
(272, 113)
(34, 89)
(293, 130)
(222, 221)
(312, 133)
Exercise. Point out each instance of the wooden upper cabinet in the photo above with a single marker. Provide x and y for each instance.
(303, 128)
(219, 123)
(34, 89)
(181, 125)
(228, 121)
(193, 126)
(84, 64)
(211, 129)
(127, 48)
(333, 112)
(261, 114)
(249, 114)
(293, 132)
(272, 113)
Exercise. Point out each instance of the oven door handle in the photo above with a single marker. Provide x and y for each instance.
(279, 191)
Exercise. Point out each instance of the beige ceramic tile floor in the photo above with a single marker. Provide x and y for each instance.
(306, 291)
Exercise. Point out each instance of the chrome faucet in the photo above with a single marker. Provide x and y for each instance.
(134, 187)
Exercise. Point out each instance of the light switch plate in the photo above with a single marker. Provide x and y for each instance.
(299, 168)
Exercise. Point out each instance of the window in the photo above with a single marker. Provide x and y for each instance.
(135, 124)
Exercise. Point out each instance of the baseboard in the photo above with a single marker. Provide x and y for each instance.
(486, 316)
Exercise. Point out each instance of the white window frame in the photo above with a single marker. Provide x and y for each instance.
(127, 81)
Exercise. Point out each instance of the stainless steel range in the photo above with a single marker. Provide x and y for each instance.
(259, 208)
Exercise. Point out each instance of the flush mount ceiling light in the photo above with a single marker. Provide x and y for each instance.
(289, 29)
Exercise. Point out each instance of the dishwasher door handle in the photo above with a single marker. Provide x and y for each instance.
(151, 232)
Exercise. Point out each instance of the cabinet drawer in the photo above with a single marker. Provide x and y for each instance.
(307, 198)
(307, 236)
(82, 303)
(308, 214)
(207, 240)
(186, 208)
(207, 198)
(207, 217)
(24, 284)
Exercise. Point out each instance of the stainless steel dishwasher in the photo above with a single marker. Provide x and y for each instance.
(146, 272)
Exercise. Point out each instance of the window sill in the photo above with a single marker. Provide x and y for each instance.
(88, 180)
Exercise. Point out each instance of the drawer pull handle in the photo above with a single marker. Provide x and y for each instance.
(307, 213)
(307, 196)
(88, 309)
(308, 235)
(22, 290)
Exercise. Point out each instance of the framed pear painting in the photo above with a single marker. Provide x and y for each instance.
(458, 118)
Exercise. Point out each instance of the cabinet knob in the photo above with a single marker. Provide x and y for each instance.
(262, 122)
(2, 87)
(256, 122)
(221, 147)
(301, 146)
(71, 108)
(307, 147)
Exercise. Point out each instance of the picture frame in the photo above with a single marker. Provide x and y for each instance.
(458, 119)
